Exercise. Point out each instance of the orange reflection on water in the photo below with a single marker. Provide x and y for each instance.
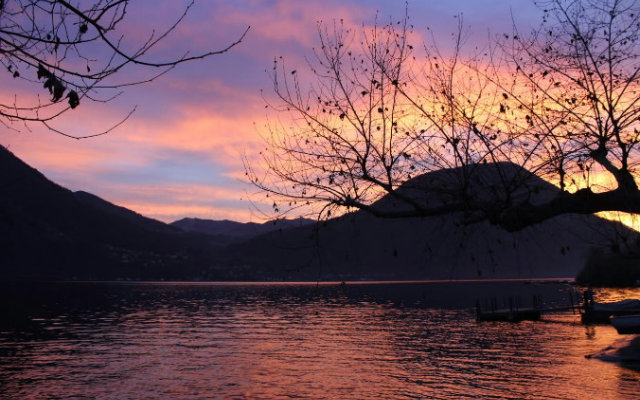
(265, 341)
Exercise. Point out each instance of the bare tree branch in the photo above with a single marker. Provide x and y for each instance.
(74, 49)
(560, 103)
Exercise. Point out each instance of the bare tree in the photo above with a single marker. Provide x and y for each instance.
(77, 51)
(574, 84)
(559, 102)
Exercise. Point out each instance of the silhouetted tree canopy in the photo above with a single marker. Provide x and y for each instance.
(72, 50)
(561, 100)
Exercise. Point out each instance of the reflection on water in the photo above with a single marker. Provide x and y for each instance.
(381, 341)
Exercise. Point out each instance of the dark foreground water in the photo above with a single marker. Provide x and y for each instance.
(373, 341)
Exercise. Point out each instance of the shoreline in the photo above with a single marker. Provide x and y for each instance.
(286, 283)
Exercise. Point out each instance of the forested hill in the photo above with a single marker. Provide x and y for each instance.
(49, 232)
(360, 246)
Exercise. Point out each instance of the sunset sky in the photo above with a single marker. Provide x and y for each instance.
(180, 154)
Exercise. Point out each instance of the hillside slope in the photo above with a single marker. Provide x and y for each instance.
(360, 246)
(47, 231)
(232, 232)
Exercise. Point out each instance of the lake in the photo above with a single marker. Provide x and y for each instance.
(270, 341)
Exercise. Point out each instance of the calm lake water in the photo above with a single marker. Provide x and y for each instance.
(266, 341)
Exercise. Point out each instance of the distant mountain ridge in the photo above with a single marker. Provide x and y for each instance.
(49, 232)
(237, 230)
(360, 246)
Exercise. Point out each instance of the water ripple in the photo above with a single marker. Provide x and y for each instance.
(308, 342)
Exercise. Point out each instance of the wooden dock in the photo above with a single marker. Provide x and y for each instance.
(508, 315)
(512, 309)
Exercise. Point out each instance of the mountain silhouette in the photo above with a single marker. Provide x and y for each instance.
(361, 246)
(49, 232)
(232, 232)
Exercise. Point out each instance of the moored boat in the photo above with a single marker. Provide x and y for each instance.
(595, 312)
(626, 324)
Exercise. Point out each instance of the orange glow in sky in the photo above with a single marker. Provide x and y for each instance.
(180, 154)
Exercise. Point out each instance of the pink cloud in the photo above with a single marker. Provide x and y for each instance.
(290, 20)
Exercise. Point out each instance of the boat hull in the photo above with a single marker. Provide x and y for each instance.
(600, 313)
(626, 324)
